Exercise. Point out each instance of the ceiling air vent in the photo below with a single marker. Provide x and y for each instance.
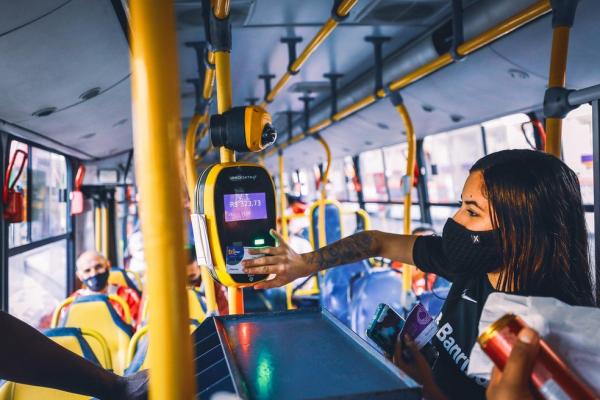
(401, 11)
(189, 13)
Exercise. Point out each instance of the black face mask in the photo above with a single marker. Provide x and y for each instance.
(470, 252)
(97, 282)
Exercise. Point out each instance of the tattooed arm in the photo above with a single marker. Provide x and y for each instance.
(287, 265)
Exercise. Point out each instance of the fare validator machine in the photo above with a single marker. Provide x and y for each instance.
(235, 202)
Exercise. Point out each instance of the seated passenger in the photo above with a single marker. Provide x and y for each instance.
(520, 229)
(29, 357)
(296, 204)
(93, 271)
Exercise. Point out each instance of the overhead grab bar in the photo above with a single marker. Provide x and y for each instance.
(469, 46)
(340, 11)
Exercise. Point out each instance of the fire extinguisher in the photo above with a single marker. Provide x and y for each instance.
(14, 202)
(77, 200)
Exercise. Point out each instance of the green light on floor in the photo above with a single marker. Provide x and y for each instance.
(259, 242)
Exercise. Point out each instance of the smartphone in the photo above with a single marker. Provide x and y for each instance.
(421, 327)
(385, 328)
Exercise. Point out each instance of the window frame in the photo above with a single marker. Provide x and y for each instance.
(5, 252)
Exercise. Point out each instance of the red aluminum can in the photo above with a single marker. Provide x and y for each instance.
(551, 377)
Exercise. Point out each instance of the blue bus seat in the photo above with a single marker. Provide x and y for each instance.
(74, 339)
(434, 299)
(335, 289)
(379, 285)
(121, 277)
(96, 313)
(333, 223)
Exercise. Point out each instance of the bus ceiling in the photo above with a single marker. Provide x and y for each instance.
(71, 90)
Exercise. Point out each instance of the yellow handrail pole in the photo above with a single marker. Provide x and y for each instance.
(407, 270)
(557, 78)
(220, 8)
(192, 177)
(224, 102)
(190, 150)
(342, 11)
(284, 222)
(97, 228)
(324, 179)
(157, 142)
(209, 77)
(503, 28)
(105, 233)
(282, 199)
(365, 217)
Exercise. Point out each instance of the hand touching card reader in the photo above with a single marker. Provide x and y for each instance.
(235, 205)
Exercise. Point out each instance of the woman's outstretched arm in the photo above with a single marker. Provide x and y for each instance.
(288, 265)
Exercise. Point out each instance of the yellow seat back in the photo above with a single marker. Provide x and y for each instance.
(78, 341)
(121, 277)
(197, 307)
(137, 359)
(96, 313)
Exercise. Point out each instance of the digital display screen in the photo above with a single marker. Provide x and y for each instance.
(245, 206)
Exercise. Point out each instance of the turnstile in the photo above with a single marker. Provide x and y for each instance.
(305, 354)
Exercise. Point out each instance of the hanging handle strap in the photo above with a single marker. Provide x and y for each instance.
(10, 185)
(79, 177)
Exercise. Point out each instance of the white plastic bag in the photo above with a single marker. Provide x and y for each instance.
(572, 332)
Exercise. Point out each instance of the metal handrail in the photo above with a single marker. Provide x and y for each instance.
(505, 27)
(157, 135)
(342, 10)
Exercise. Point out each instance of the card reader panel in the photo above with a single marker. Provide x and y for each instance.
(238, 204)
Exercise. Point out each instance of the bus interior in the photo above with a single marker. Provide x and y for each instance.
(380, 107)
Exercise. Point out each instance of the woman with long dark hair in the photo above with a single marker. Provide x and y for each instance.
(520, 229)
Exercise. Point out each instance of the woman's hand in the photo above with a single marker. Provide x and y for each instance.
(417, 368)
(513, 383)
(282, 261)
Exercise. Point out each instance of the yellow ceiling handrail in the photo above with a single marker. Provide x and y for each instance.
(503, 28)
(342, 11)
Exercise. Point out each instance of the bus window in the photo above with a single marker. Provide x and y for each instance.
(373, 176)
(17, 233)
(307, 184)
(577, 149)
(395, 168)
(48, 196)
(37, 283)
(577, 153)
(351, 179)
(506, 133)
(449, 156)
(37, 273)
(337, 188)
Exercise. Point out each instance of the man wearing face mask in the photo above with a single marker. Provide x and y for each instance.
(520, 229)
(93, 271)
